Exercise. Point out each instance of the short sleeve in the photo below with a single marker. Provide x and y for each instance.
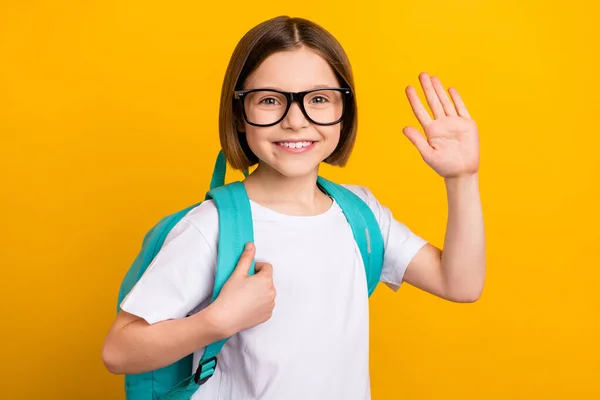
(181, 276)
(400, 243)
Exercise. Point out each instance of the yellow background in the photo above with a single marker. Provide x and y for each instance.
(108, 121)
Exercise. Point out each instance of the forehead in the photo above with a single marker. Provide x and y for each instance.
(292, 70)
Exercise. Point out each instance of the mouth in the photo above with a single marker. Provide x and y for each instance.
(295, 146)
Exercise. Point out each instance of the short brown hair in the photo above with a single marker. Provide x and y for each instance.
(279, 34)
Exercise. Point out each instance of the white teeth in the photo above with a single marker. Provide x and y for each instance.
(295, 145)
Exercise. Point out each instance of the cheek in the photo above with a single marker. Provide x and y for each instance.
(331, 134)
(257, 138)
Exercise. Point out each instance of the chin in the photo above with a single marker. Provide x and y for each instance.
(292, 166)
(291, 169)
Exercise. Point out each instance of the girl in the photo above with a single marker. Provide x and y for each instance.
(300, 325)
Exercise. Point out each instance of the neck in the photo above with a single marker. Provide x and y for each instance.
(294, 195)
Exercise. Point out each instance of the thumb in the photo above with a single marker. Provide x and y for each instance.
(417, 139)
(245, 261)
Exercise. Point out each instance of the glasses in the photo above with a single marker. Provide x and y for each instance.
(268, 107)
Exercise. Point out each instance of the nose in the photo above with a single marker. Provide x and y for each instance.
(294, 119)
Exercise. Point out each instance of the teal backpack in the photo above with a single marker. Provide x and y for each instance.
(176, 381)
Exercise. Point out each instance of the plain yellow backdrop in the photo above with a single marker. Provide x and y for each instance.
(108, 121)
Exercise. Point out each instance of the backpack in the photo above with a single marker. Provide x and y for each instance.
(176, 381)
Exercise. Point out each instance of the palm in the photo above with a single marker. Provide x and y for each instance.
(451, 142)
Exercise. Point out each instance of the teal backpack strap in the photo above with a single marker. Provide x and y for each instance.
(235, 230)
(218, 176)
(364, 227)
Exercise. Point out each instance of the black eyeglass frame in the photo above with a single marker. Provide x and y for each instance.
(292, 97)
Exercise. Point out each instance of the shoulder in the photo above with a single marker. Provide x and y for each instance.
(361, 191)
(382, 213)
(364, 194)
(203, 219)
(203, 215)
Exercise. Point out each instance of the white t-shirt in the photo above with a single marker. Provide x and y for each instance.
(316, 344)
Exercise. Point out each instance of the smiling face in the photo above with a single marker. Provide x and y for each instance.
(294, 147)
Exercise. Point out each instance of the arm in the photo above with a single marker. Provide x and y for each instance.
(457, 273)
(134, 346)
(451, 148)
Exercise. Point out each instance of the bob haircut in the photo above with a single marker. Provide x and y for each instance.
(274, 35)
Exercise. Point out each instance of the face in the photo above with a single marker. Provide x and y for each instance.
(294, 147)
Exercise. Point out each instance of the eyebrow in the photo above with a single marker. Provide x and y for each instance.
(278, 88)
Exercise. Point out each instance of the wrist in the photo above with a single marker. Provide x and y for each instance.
(217, 321)
(462, 191)
(458, 182)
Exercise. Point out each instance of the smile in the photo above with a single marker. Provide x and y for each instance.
(295, 147)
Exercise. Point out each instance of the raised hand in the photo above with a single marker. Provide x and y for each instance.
(451, 142)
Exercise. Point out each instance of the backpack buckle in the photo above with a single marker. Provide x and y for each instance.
(203, 374)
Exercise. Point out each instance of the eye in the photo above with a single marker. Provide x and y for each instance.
(269, 101)
(319, 99)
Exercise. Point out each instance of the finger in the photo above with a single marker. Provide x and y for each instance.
(418, 140)
(432, 98)
(443, 96)
(418, 109)
(262, 268)
(245, 261)
(459, 103)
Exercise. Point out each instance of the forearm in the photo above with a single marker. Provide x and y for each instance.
(463, 257)
(134, 346)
